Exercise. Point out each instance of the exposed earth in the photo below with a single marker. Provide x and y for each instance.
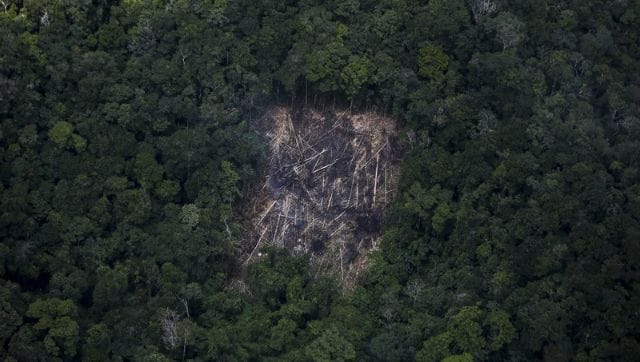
(329, 177)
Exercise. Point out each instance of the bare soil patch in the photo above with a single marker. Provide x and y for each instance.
(328, 179)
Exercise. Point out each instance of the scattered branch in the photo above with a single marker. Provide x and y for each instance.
(482, 8)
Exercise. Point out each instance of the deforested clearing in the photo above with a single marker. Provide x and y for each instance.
(328, 178)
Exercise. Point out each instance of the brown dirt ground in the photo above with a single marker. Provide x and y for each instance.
(329, 178)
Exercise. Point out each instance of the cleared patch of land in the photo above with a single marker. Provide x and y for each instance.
(329, 177)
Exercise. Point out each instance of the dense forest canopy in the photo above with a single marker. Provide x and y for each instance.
(126, 157)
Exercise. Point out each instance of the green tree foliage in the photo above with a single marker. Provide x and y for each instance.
(61, 132)
(329, 346)
(354, 75)
(55, 319)
(509, 30)
(432, 63)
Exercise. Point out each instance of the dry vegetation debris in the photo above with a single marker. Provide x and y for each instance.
(329, 177)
